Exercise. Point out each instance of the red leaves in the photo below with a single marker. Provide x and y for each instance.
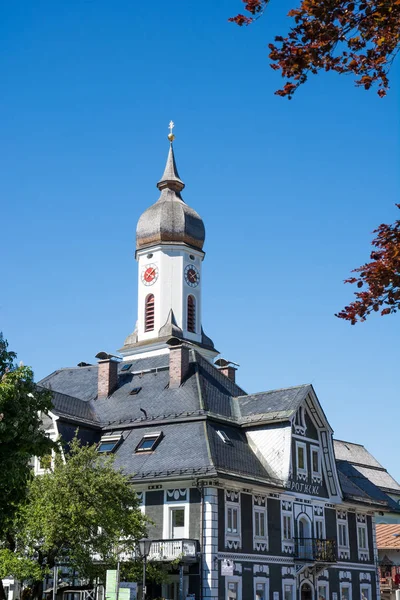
(381, 277)
(361, 37)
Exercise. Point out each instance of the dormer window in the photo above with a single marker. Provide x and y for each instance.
(191, 314)
(108, 443)
(149, 313)
(301, 458)
(149, 442)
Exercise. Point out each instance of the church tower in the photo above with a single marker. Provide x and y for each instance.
(169, 249)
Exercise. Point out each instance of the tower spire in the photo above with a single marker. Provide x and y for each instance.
(170, 178)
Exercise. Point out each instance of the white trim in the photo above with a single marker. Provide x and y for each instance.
(301, 471)
(259, 539)
(317, 475)
(233, 539)
(343, 585)
(368, 587)
(320, 583)
(321, 520)
(287, 544)
(343, 521)
(234, 579)
(167, 515)
(265, 582)
(292, 583)
(361, 522)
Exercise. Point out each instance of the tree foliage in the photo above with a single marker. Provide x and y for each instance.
(360, 37)
(378, 280)
(83, 514)
(21, 436)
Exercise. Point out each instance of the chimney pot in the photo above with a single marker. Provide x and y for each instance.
(107, 377)
(229, 372)
(178, 365)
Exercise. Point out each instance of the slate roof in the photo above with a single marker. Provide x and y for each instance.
(273, 405)
(364, 467)
(358, 468)
(189, 418)
(386, 536)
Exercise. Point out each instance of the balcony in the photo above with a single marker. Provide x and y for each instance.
(315, 550)
(171, 550)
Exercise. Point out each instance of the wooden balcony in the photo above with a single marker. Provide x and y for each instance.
(315, 550)
(174, 550)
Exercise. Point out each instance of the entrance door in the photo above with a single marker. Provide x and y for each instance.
(306, 592)
(170, 591)
(177, 523)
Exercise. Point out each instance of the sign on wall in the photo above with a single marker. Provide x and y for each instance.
(227, 567)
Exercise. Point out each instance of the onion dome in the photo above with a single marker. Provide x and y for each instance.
(170, 220)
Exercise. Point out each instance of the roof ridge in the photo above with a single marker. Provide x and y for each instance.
(292, 387)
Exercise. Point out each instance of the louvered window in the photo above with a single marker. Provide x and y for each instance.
(149, 313)
(191, 314)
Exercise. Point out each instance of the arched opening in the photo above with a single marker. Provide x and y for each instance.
(149, 313)
(306, 591)
(304, 540)
(191, 314)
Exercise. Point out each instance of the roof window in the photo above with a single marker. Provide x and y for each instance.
(108, 443)
(224, 437)
(149, 442)
(135, 391)
(126, 367)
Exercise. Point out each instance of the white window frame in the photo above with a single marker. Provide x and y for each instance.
(322, 521)
(290, 582)
(263, 511)
(167, 524)
(362, 527)
(343, 522)
(316, 474)
(301, 471)
(343, 585)
(290, 516)
(324, 584)
(232, 506)
(368, 587)
(234, 579)
(265, 582)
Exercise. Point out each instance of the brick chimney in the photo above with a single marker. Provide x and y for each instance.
(107, 377)
(226, 368)
(178, 362)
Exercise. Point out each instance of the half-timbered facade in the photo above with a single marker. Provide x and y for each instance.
(242, 489)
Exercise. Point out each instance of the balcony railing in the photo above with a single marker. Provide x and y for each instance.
(170, 550)
(315, 550)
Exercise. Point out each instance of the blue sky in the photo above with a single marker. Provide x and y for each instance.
(289, 191)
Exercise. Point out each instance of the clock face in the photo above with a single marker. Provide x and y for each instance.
(192, 276)
(149, 274)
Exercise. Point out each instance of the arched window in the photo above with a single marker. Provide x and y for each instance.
(191, 314)
(149, 313)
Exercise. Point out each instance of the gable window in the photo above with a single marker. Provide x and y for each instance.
(301, 458)
(149, 442)
(108, 443)
(315, 463)
(149, 313)
(191, 314)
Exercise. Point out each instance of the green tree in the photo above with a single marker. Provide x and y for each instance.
(83, 514)
(21, 437)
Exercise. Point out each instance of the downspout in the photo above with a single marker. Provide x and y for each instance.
(200, 487)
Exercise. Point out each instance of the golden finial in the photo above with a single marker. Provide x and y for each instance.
(171, 136)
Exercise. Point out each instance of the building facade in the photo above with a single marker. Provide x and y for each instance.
(244, 491)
